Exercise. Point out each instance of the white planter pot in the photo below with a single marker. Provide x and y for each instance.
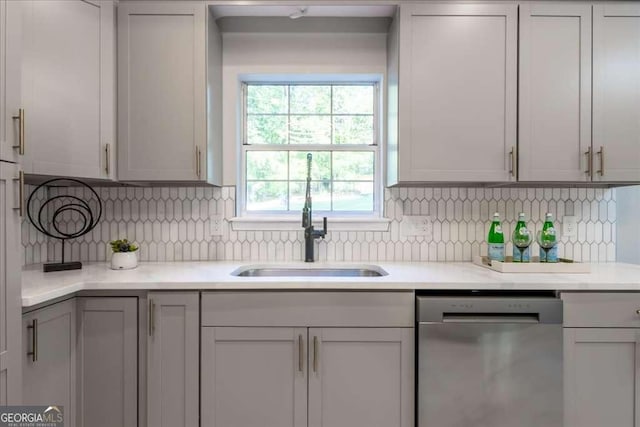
(124, 260)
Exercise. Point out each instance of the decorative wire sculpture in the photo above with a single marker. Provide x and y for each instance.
(49, 214)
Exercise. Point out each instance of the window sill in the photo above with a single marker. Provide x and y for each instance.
(290, 223)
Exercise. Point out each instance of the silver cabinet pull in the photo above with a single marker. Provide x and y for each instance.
(300, 353)
(152, 318)
(20, 180)
(107, 159)
(512, 162)
(315, 354)
(600, 153)
(198, 163)
(34, 340)
(21, 133)
(638, 312)
(589, 161)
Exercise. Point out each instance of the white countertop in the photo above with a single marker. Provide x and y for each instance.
(39, 287)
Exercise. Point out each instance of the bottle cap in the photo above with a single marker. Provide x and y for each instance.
(521, 215)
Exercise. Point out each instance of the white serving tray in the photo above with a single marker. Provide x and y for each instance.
(535, 266)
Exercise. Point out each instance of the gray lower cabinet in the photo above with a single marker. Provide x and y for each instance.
(107, 357)
(601, 359)
(173, 359)
(49, 358)
(254, 377)
(10, 331)
(602, 377)
(296, 377)
(316, 359)
(360, 377)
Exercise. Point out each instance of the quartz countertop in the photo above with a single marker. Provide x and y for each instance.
(39, 287)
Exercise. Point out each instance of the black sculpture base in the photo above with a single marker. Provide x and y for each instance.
(61, 266)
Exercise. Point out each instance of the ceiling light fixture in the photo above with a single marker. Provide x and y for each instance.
(299, 13)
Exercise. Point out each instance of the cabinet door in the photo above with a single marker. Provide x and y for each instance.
(254, 377)
(601, 377)
(107, 354)
(458, 94)
(10, 288)
(161, 91)
(10, 102)
(68, 86)
(49, 358)
(616, 91)
(555, 92)
(173, 359)
(361, 377)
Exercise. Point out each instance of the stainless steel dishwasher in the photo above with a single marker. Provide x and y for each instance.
(490, 361)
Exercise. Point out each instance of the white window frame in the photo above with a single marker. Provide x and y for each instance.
(286, 220)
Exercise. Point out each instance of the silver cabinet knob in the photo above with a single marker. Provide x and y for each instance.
(638, 312)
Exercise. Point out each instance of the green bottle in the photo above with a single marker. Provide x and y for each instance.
(521, 241)
(496, 239)
(548, 241)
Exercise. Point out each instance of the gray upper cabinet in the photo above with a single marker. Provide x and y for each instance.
(162, 91)
(456, 94)
(254, 377)
(616, 91)
(173, 359)
(361, 377)
(10, 286)
(107, 357)
(11, 112)
(49, 358)
(68, 88)
(555, 92)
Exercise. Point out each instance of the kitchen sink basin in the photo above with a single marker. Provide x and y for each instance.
(254, 271)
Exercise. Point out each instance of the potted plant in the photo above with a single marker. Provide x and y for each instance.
(124, 255)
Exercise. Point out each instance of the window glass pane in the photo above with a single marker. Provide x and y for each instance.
(310, 130)
(320, 195)
(267, 165)
(310, 99)
(266, 196)
(353, 99)
(266, 129)
(353, 129)
(320, 166)
(353, 166)
(267, 99)
(291, 117)
(353, 196)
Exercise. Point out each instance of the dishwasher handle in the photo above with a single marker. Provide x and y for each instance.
(441, 309)
(490, 318)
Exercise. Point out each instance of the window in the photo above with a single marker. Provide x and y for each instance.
(336, 123)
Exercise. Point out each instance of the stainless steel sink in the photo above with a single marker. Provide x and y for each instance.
(253, 271)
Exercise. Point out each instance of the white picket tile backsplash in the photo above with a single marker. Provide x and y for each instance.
(173, 224)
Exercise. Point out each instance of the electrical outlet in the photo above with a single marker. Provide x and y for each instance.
(215, 225)
(416, 225)
(569, 226)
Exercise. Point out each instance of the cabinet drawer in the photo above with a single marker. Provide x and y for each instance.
(354, 309)
(601, 310)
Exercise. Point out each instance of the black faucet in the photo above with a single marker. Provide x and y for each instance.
(307, 222)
